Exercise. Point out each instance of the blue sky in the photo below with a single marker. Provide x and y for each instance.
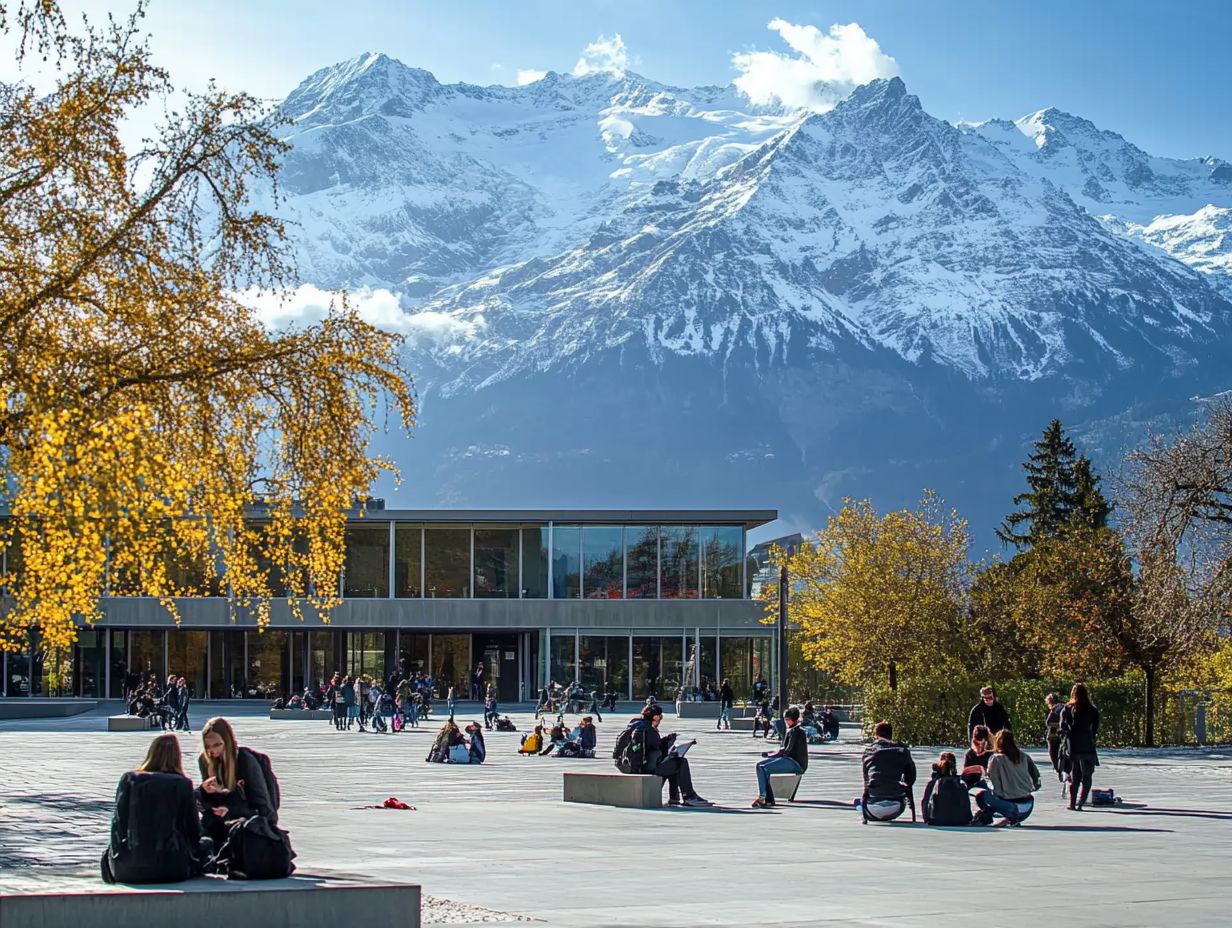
(1155, 72)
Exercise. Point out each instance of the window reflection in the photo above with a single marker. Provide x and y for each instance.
(679, 561)
(566, 562)
(447, 563)
(642, 561)
(408, 560)
(535, 562)
(367, 561)
(496, 563)
(721, 549)
(603, 560)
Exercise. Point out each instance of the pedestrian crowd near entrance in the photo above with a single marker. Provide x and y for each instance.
(164, 830)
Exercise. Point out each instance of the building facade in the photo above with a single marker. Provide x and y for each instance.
(641, 601)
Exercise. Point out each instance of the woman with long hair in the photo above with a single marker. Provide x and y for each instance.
(975, 761)
(1013, 776)
(1052, 725)
(155, 833)
(1079, 728)
(233, 782)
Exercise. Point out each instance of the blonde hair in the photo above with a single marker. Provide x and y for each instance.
(164, 756)
(221, 768)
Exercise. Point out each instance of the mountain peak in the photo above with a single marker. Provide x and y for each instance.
(371, 83)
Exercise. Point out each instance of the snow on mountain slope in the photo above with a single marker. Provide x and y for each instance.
(1202, 240)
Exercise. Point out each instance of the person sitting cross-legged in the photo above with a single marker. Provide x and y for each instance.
(792, 757)
(889, 773)
(1014, 777)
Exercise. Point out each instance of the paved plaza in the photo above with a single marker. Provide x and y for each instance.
(495, 843)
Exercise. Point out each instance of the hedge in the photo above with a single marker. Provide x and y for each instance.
(934, 711)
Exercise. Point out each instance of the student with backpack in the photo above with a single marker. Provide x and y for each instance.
(155, 832)
(640, 749)
(240, 798)
(947, 801)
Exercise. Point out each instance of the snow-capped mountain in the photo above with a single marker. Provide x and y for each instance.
(671, 285)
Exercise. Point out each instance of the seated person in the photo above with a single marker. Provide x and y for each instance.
(557, 736)
(1013, 777)
(975, 761)
(810, 724)
(448, 737)
(155, 832)
(946, 800)
(792, 757)
(889, 772)
(829, 723)
(504, 723)
(478, 750)
(279, 703)
(660, 760)
(761, 721)
(581, 741)
(532, 743)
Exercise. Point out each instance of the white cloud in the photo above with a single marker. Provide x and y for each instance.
(603, 54)
(820, 70)
(530, 75)
(382, 308)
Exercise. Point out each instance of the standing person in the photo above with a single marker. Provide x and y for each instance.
(791, 757)
(450, 699)
(594, 704)
(477, 682)
(760, 688)
(1079, 727)
(170, 712)
(349, 707)
(1052, 724)
(155, 832)
(727, 701)
(988, 712)
(337, 701)
(1013, 777)
(761, 721)
(360, 705)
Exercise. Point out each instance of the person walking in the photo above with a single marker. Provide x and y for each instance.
(1079, 728)
(450, 699)
(727, 700)
(1052, 726)
(350, 710)
(988, 712)
(184, 697)
(360, 705)
(791, 757)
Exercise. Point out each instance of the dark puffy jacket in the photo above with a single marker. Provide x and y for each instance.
(587, 739)
(946, 801)
(155, 832)
(1080, 726)
(994, 716)
(887, 766)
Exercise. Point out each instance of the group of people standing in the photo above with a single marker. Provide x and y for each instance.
(168, 703)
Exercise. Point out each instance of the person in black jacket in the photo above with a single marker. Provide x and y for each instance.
(792, 757)
(988, 712)
(233, 785)
(1079, 727)
(662, 762)
(155, 833)
(889, 772)
(727, 700)
(1052, 725)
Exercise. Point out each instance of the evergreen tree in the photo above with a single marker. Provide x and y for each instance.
(1049, 500)
(1091, 509)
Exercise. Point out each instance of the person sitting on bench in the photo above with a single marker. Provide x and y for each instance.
(889, 773)
(792, 757)
(155, 832)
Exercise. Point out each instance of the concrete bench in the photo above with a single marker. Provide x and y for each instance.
(785, 785)
(317, 715)
(745, 724)
(205, 902)
(626, 790)
(131, 722)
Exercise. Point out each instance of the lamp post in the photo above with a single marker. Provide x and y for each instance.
(782, 639)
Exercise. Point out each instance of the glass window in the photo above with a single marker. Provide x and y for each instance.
(89, 663)
(366, 654)
(604, 664)
(408, 560)
(496, 563)
(227, 665)
(367, 560)
(146, 655)
(535, 562)
(447, 563)
(722, 555)
(603, 562)
(187, 657)
(642, 561)
(323, 660)
(709, 663)
(564, 668)
(413, 652)
(17, 670)
(268, 666)
(120, 681)
(299, 650)
(451, 664)
(679, 561)
(276, 572)
(658, 665)
(566, 562)
(673, 667)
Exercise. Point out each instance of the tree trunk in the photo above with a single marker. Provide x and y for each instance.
(893, 675)
(1149, 734)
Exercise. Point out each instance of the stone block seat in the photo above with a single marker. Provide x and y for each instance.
(785, 785)
(207, 902)
(625, 790)
(301, 715)
(131, 722)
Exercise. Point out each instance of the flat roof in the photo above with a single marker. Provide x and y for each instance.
(749, 518)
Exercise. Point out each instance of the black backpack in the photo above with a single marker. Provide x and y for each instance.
(256, 850)
(629, 754)
(267, 771)
(947, 802)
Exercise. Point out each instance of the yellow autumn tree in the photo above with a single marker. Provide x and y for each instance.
(882, 596)
(144, 408)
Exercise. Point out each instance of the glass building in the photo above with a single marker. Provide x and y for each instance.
(641, 601)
